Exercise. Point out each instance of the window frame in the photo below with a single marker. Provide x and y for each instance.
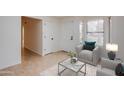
(103, 32)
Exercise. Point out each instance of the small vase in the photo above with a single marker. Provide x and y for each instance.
(73, 60)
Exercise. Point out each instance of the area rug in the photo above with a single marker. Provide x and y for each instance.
(53, 71)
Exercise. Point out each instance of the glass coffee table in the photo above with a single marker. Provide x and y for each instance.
(75, 67)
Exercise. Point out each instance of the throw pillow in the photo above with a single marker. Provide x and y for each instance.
(89, 45)
(119, 71)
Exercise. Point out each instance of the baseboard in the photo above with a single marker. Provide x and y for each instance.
(33, 51)
(10, 65)
(55, 52)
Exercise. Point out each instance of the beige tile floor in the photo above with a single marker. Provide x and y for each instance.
(33, 64)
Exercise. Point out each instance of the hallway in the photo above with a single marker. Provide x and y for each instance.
(33, 64)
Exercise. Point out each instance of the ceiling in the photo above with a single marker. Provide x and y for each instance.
(62, 16)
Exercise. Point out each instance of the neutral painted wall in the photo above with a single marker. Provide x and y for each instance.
(10, 41)
(50, 29)
(51, 36)
(117, 34)
(69, 27)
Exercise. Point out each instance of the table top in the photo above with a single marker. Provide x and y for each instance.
(116, 59)
(73, 66)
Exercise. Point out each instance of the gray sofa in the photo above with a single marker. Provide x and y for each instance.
(107, 67)
(90, 57)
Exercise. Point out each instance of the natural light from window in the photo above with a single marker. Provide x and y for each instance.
(95, 31)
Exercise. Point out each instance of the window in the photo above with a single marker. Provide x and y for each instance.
(95, 31)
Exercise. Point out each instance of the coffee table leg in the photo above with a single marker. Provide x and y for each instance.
(85, 69)
(76, 73)
(58, 70)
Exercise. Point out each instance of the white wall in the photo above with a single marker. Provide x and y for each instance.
(69, 27)
(50, 29)
(10, 41)
(117, 34)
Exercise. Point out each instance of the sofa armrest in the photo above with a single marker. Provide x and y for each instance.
(110, 64)
(96, 55)
(96, 51)
(78, 49)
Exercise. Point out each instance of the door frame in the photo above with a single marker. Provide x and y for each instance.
(41, 32)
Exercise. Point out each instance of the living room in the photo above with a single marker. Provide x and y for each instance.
(66, 46)
(60, 35)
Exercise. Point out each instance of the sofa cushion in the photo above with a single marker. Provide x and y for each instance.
(86, 55)
(105, 72)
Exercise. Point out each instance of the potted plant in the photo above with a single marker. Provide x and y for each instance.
(72, 56)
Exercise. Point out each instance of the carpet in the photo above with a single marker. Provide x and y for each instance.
(53, 71)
